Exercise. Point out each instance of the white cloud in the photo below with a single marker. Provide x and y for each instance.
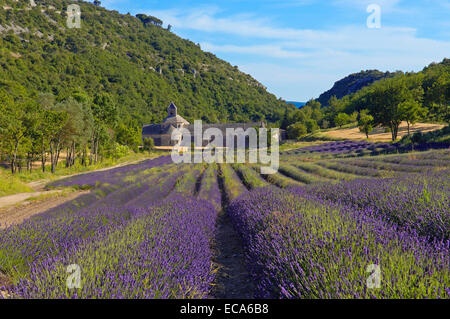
(206, 20)
(386, 5)
(310, 60)
(274, 51)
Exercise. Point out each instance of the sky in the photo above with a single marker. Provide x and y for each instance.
(299, 48)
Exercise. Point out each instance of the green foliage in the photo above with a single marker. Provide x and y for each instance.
(312, 125)
(149, 144)
(126, 135)
(341, 119)
(121, 150)
(139, 65)
(412, 112)
(439, 136)
(390, 98)
(11, 185)
(353, 83)
(308, 116)
(365, 122)
(297, 130)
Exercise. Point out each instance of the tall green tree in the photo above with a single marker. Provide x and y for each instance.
(365, 122)
(385, 100)
(297, 130)
(341, 119)
(16, 114)
(104, 112)
(412, 111)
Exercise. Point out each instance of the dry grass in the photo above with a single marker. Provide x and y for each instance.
(379, 135)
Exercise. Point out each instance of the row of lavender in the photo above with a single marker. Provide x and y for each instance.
(301, 246)
(382, 166)
(142, 237)
(420, 202)
(112, 176)
(344, 147)
(127, 252)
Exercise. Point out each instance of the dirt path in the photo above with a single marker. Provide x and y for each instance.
(11, 200)
(17, 214)
(232, 278)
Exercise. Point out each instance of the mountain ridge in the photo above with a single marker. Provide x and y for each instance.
(354, 82)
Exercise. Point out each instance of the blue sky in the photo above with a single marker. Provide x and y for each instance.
(299, 48)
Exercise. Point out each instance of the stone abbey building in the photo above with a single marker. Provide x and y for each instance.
(162, 133)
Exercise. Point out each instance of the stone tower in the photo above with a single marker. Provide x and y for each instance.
(172, 110)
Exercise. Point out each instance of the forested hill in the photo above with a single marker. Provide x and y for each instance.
(353, 83)
(141, 64)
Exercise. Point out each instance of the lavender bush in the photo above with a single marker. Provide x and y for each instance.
(156, 252)
(298, 246)
(417, 201)
(209, 188)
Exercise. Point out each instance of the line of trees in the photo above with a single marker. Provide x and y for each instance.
(40, 127)
(410, 97)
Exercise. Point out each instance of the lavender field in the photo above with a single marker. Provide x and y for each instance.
(150, 230)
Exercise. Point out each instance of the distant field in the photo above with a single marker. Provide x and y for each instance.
(378, 134)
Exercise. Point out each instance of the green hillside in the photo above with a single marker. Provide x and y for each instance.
(353, 83)
(141, 65)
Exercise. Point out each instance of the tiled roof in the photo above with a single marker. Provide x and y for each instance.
(224, 126)
(151, 129)
(175, 120)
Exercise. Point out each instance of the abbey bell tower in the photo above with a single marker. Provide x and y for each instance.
(172, 110)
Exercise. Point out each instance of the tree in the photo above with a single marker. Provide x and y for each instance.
(341, 119)
(384, 100)
(75, 128)
(46, 102)
(285, 122)
(297, 130)
(325, 124)
(335, 105)
(104, 113)
(311, 126)
(412, 112)
(438, 97)
(17, 113)
(149, 144)
(97, 3)
(129, 136)
(57, 121)
(314, 104)
(149, 20)
(365, 122)
(353, 117)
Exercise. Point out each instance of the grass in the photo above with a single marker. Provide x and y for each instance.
(10, 185)
(62, 193)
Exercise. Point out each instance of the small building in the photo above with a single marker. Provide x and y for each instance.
(162, 133)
